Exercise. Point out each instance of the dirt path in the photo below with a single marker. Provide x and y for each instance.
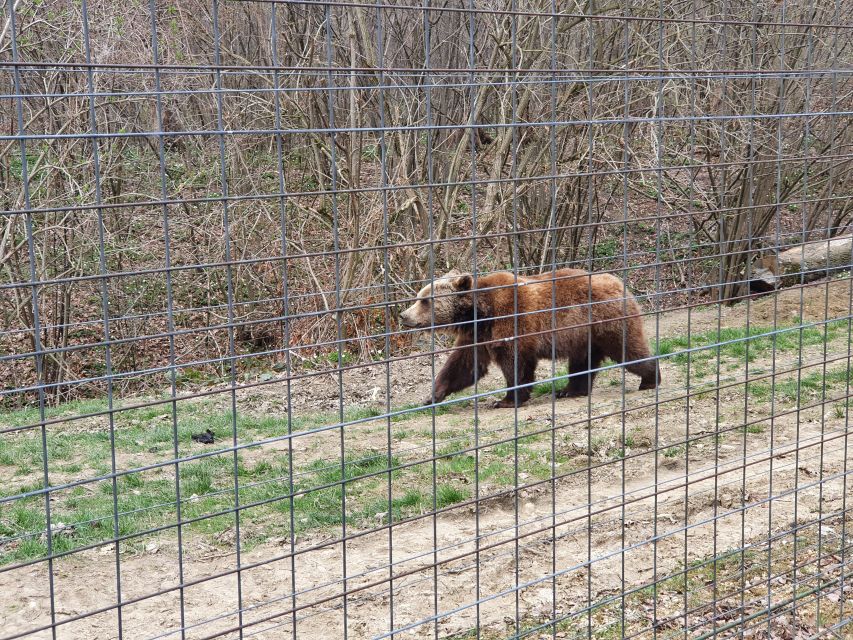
(88, 582)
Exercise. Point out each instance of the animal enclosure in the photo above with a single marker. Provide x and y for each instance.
(212, 417)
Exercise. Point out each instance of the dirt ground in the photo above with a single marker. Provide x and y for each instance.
(659, 514)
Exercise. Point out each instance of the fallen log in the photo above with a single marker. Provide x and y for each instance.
(803, 263)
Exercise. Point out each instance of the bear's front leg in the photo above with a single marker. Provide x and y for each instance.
(459, 371)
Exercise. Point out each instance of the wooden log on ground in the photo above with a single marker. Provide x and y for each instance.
(803, 263)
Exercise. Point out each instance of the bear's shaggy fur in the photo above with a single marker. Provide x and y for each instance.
(550, 314)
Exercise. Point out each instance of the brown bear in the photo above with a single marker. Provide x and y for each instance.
(556, 314)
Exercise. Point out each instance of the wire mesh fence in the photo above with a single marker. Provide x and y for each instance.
(327, 319)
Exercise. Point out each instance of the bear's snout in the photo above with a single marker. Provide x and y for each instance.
(406, 319)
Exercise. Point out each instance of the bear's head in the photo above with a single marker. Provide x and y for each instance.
(446, 301)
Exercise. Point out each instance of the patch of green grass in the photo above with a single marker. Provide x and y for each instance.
(197, 477)
(840, 409)
(544, 388)
(410, 503)
(319, 508)
(448, 494)
(26, 518)
(810, 384)
(151, 430)
(742, 345)
(499, 473)
(673, 452)
(412, 498)
(30, 415)
(188, 376)
(147, 500)
(759, 391)
(754, 429)
(461, 464)
(503, 450)
(332, 357)
(530, 439)
(7, 459)
(455, 445)
(365, 463)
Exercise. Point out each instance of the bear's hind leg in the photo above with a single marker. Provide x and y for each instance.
(646, 368)
(582, 371)
(526, 376)
(637, 355)
(649, 373)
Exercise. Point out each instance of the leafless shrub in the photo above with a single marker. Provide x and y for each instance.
(707, 146)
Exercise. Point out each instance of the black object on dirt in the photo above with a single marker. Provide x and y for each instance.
(203, 438)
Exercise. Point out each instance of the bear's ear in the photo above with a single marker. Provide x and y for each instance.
(453, 273)
(462, 282)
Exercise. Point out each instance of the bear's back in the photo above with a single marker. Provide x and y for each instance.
(563, 296)
(561, 288)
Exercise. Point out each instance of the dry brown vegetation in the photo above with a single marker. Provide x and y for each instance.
(630, 150)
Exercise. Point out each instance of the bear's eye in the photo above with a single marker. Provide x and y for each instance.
(422, 302)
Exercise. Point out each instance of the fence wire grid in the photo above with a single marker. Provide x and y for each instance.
(217, 421)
